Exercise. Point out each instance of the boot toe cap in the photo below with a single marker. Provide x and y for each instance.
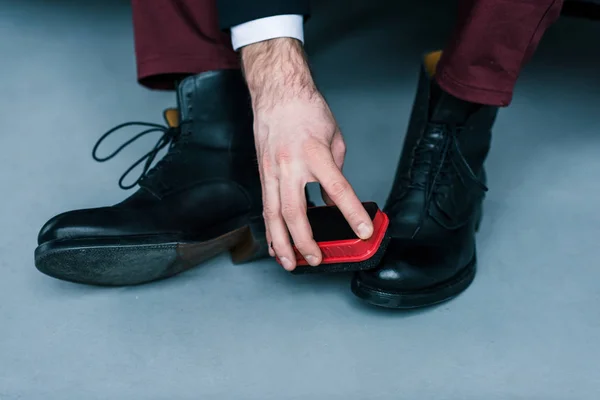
(411, 268)
(74, 224)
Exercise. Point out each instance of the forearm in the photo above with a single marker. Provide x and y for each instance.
(275, 69)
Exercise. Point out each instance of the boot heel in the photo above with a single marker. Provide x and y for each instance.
(252, 244)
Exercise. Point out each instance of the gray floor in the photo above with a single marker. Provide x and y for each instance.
(527, 329)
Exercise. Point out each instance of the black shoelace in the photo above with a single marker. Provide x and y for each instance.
(444, 166)
(168, 138)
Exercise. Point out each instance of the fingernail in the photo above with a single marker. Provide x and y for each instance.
(312, 260)
(364, 232)
(287, 264)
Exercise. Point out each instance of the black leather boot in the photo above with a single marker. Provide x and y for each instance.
(435, 203)
(202, 198)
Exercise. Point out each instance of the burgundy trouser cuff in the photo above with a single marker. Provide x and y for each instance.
(491, 42)
(163, 71)
(175, 38)
(470, 93)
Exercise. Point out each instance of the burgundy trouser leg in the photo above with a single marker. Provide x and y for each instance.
(176, 38)
(491, 42)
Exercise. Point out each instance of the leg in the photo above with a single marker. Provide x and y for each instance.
(436, 199)
(491, 42)
(178, 38)
(204, 196)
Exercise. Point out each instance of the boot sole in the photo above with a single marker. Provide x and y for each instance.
(137, 260)
(440, 293)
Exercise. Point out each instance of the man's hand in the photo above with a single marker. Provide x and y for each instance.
(297, 141)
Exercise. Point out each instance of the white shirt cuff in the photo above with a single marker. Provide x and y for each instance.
(277, 26)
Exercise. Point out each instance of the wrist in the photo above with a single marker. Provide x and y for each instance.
(277, 67)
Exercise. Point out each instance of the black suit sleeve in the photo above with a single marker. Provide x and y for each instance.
(235, 12)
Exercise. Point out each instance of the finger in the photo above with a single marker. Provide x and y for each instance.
(326, 197)
(280, 242)
(267, 230)
(338, 151)
(293, 209)
(268, 236)
(269, 241)
(341, 193)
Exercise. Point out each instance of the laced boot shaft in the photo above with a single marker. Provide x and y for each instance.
(437, 165)
(435, 202)
(439, 181)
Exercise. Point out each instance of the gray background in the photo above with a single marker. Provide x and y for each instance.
(528, 328)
